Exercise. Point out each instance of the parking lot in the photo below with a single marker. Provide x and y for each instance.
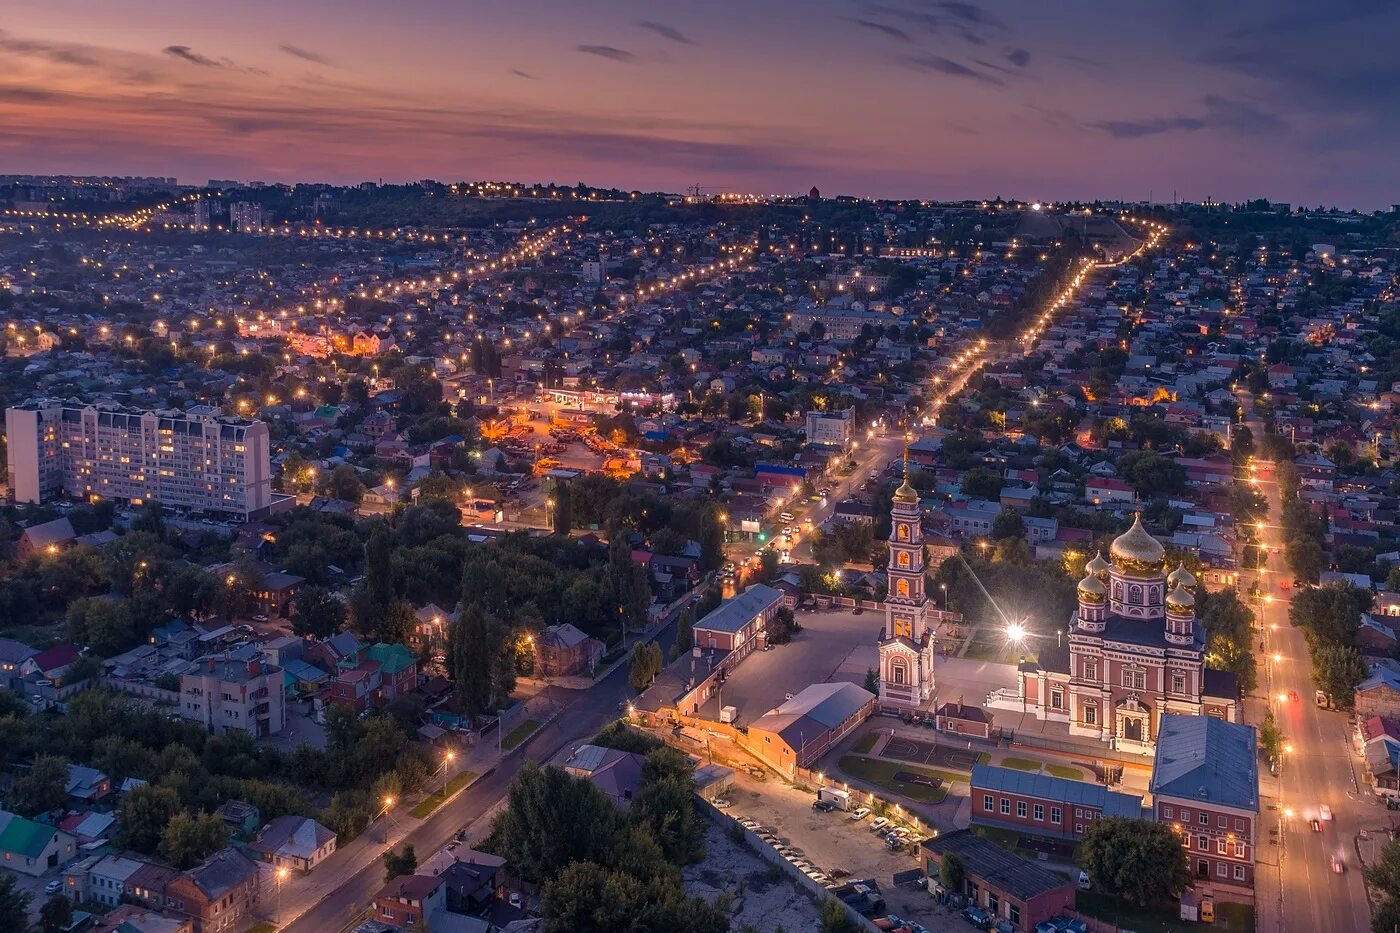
(834, 842)
(830, 646)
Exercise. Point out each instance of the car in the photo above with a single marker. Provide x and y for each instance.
(722, 804)
(1338, 866)
(1293, 696)
(54, 886)
(748, 822)
(825, 806)
(857, 609)
(979, 918)
(1316, 825)
(878, 823)
(515, 899)
(1084, 883)
(1325, 812)
(260, 617)
(860, 814)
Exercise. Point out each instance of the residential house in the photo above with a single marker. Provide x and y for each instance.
(296, 842)
(45, 538)
(1379, 695)
(408, 899)
(218, 895)
(561, 650)
(33, 848)
(240, 696)
(88, 784)
(616, 773)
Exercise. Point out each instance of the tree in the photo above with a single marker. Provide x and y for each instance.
(188, 840)
(143, 816)
(1337, 669)
(55, 915)
(315, 612)
(631, 590)
(104, 625)
(685, 630)
(643, 665)
(1140, 860)
(835, 918)
(1008, 524)
(1229, 635)
(1386, 918)
(1241, 443)
(563, 509)
(1384, 875)
(1270, 736)
(14, 905)
(1306, 558)
(469, 653)
(952, 873)
(42, 788)
(400, 863)
(590, 898)
(552, 820)
(981, 483)
(872, 680)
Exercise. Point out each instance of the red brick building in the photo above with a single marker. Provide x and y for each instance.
(1008, 887)
(218, 895)
(1042, 804)
(1205, 785)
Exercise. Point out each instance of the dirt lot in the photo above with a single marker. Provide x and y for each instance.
(832, 840)
(762, 893)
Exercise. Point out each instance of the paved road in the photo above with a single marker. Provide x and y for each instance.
(1319, 770)
(585, 712)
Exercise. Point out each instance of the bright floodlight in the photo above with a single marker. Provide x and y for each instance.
(1016, 631)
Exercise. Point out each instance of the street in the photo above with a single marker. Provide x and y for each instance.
(1319, 770)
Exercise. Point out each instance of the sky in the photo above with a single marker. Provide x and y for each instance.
(1293, 100)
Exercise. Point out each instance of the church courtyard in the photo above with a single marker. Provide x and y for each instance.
(833, 645)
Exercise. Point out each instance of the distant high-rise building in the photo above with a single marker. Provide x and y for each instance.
(246, 216)
(195, 462)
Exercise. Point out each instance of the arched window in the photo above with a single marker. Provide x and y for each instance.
(902, 588)
(903, 532)
(898, 672)
(1135, 594)
(904, 559)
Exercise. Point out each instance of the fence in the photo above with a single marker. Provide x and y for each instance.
(818, 779)
(142, 689)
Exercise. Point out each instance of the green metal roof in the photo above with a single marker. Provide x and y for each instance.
(392, 658)
(25, 837)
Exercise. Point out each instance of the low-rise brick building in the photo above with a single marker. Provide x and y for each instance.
(1042, 804)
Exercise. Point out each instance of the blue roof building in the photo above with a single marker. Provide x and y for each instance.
(1044, 805)
(1207, 760)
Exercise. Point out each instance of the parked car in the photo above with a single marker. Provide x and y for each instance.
(878, 823)
(721, 804)
(1325, 812)
(825, 806)
(979, 918)
(860, 814)
(54, 886)
(1084, 883)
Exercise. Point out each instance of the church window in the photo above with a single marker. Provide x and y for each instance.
(1135, 594)
(903, 532)
(904, 559)
(1091, 714)
(1091, 670)
(902, 588)
(897, 671)
(1057, 699)
(1178, 682)
(1134, 678)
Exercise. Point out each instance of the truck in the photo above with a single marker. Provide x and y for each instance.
(836, 797)
(728, 713)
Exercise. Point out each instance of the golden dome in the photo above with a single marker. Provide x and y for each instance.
(1183, 578)
(1098, 566)
(1181, 598)
(906, 493)
(1092, 590)
(1137, 550)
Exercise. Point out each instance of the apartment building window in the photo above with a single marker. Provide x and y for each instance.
(1222, 822)
(1205, 819)
(1220, 847)
(1038, 813)
(1239, 850)
(1021, 809)
(1078, 828)
(1005, 806)
(1079, 813)
(987, 803)
(1055, 815)
(1239, 824)
(1166, 813)
(1239, 872)
(1203, 843)
(1222, 869)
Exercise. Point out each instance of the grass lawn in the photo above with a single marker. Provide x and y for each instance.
(1065, 771)
(985, 758)
(519, 734)
(866, 742)
(881, 773)
(1020, 764)
(434, 800)
(1237, 917)
(1011, 839)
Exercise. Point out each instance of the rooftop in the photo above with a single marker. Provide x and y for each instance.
(1207, 760)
